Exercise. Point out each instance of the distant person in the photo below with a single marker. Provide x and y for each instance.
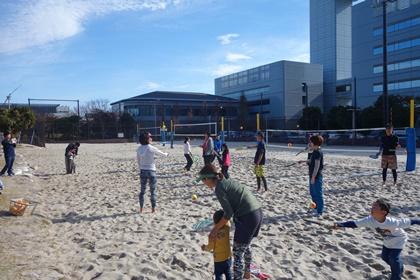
(217, 145)
(389, 144)
(225, 160)
(316, 165)
(9, 145)
(188, 154)
(391, 229)
(240, 204)
(259, 162)
(146, 161)
(71, 152)
(220, 247)
(208, 149)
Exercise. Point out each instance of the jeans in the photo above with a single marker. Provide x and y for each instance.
(189, 162)
(317, 194)
(148, 175)
(9, 160)
(393, 258)
(221, 268)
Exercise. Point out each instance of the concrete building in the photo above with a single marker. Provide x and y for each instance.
(275, 91)
(403, 36)
(153, 108)
(331, 43)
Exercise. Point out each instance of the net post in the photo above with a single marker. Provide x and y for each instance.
(172, 134)
(222, 126)
(411, 141)
(258, 121)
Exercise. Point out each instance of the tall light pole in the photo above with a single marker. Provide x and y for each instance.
(385, 61)
(305, 90)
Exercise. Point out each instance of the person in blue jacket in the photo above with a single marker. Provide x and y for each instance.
(9, 145)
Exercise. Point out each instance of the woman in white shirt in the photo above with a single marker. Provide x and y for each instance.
(146, 161)
(188, 154)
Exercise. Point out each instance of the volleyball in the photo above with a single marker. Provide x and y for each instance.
(194, 197)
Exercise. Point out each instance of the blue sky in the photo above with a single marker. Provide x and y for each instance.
(121, 48)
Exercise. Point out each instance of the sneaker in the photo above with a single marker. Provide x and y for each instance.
(384, 184)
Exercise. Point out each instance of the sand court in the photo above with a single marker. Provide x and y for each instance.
(87, 225)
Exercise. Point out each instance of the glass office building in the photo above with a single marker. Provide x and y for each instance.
(275, 91)
(403, 36)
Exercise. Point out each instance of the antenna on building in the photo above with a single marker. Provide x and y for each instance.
(9, 96)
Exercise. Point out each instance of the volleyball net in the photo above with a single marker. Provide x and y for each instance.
(352, 137)
(195, 129)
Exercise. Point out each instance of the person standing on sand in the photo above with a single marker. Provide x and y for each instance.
(391, 229)
(188, 154)
(240, 204)
(259, 161)
(389, 144)
(316, 165)
(146, 161)
(9, 145)
(208, 149)
(71, 151)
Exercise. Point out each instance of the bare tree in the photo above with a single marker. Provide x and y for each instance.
(95, 105)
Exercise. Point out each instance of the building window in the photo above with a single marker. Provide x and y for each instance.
(398, 46)
(398, 85)
(343, 88)
(304, 100)
(407, 64)
(398, 26)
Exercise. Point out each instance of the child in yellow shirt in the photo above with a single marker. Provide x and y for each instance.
(221, 249)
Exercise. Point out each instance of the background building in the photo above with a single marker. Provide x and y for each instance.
(330, 45)
(151, 109)
(38, 109)
(346, 39)
(403, 36)
(275, 91)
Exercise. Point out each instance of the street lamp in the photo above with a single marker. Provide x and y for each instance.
(384, 59)
(305, 90)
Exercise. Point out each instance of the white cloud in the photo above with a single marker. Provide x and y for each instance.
(152, 85)
(226, 39)
(226, 69)
(234, 57)
(39, 22)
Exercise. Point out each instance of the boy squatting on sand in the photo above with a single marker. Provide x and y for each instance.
(392, 231)
(221, 249)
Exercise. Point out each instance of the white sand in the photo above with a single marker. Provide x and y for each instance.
(87, 225)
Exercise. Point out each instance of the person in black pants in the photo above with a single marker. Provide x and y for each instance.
(71, 151)
(187, 154)
(389, 144)
(9, 145)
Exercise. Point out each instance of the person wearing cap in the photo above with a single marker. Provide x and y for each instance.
(71, 151)
(389, 144)
(238, 203)
(9, 145)
(392, 230)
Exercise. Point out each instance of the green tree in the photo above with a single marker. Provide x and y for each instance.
(372, 116)
(311, 118)
(127, 124)
(16, 119)
(339, 117)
